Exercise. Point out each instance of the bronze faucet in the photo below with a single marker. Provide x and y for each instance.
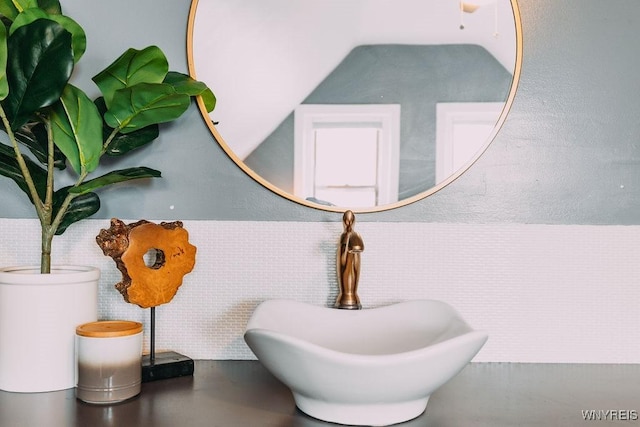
(348, 264)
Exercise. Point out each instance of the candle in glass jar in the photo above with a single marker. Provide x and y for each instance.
(109, 361)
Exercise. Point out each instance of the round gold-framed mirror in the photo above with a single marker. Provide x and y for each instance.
(406, 93)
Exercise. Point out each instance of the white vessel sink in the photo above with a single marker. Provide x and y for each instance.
(362, 367)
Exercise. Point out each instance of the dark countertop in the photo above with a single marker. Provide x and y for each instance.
(243, 393)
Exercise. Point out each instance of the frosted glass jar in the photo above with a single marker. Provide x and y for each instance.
(109, 361)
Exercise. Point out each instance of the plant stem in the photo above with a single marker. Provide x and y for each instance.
(105, 146)
(43, 209)
(17, 6)
(48, 201)
(33, 192)
(49, 230)
(45, 250)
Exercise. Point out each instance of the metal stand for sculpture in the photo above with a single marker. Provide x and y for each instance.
(166, 364)
(153, 260)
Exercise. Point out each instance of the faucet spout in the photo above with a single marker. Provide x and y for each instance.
(348, 264)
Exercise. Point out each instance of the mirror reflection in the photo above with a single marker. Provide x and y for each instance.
(356, 104)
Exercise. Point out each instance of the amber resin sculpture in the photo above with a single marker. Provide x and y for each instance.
(148, 284)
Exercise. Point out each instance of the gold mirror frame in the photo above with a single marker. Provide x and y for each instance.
(255, 176)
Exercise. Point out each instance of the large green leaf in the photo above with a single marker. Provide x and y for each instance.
(145, 104)
(115, 177)
(9, 168)
(148, 65)
(81, 207)
(122, 143)
(39, 64)
(4, 84)
(78, 37)
(77, 129)
(183, 83)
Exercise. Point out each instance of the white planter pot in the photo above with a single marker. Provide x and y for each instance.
(38, 318)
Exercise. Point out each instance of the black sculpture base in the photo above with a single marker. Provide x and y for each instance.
(166, 365)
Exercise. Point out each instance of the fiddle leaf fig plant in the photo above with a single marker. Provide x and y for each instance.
(52, 126)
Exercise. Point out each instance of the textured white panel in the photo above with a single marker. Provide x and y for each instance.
(560, 293)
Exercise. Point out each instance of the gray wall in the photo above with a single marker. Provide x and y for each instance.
(568, 153)
(417, 78)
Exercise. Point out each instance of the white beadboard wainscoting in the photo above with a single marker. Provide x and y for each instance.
(545, 293)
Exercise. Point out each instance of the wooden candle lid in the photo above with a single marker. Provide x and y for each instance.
(109, 328)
